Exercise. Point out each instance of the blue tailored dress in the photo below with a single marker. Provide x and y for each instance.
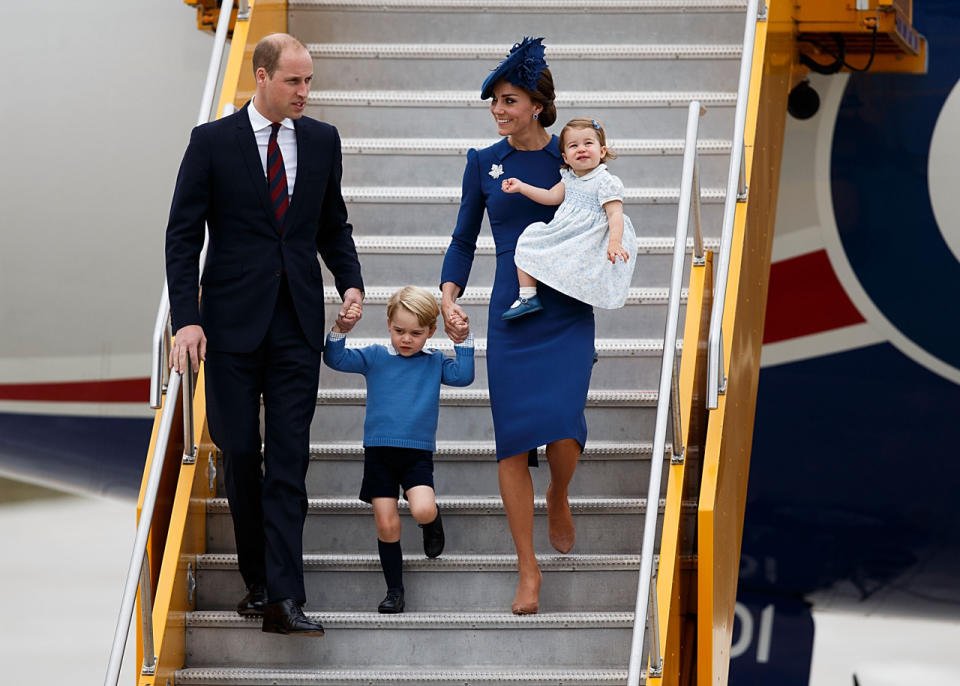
(538, 366)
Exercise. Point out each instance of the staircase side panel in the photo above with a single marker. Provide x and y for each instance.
(730, 426)
(675, 583)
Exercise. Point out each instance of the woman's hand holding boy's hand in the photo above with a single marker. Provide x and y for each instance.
(455, 321)
(511, 185)
(615, 250)
(349, 318)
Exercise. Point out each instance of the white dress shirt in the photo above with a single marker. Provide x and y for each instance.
(286, 138)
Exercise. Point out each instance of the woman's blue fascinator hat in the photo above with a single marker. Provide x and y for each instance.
(522, 67)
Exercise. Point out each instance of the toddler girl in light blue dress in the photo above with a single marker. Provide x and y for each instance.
(584, 251)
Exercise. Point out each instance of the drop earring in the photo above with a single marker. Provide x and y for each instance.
(536, 116)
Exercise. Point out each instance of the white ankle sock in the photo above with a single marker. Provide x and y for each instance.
(528, 291)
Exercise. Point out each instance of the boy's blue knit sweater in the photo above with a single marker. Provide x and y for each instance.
(403, 393)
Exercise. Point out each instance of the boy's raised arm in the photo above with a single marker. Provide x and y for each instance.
(459, 371)
(337, 355)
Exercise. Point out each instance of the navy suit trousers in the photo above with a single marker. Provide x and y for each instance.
(266, 490)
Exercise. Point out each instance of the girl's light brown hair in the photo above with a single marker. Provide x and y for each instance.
(594, 125)
(418, 301)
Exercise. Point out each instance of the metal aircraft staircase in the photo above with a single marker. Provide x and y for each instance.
(407, 111)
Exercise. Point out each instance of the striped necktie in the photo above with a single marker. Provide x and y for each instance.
(277, 177)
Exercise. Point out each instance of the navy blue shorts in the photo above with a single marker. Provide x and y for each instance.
(387, 469)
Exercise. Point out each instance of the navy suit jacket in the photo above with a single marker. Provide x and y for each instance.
(222, 182)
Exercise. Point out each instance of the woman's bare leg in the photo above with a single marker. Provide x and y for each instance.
(516, 490)
(562, 456)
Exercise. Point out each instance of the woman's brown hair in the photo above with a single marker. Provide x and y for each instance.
(544, 95)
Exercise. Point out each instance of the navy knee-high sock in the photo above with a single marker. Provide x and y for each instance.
(391, 559)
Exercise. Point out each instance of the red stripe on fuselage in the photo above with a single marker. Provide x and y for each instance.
(805, 298)
(109, 391)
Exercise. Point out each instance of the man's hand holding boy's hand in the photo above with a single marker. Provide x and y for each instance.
(349, 316)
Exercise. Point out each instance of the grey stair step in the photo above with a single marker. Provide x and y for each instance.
(560, 20)
(421, 169)
(643, 315)
(458, 147)
(621, 362)
(620, 415)
(436, 676)
(575, 639)
(413, 259)
(442, 65)
(658, 114)
(440, 219)
(438, 161)
(471, 524)
(452, 582)
(469, 468)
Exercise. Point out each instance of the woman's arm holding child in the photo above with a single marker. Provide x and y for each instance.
(614, 210)
(553, 196)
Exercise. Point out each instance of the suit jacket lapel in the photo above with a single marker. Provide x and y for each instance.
(304, 157)
(251, 156)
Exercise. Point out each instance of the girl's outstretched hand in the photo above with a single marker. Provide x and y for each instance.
(511, 185)
(615, 251)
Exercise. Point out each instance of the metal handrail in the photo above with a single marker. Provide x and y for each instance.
(736, 192)
(206, 105)
(645, 585)
(138, 559)
(138, 573)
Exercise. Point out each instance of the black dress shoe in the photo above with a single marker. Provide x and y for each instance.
(286, 617)
(393, 603)
(433, 539)
(253, 603)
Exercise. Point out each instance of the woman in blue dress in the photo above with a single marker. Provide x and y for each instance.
(538, 366)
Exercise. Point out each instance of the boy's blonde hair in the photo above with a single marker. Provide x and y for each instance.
(418, 301)
(584, 123)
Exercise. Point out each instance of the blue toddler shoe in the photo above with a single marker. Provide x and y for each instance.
(523, 306)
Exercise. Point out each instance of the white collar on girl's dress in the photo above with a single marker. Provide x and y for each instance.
(590, 174)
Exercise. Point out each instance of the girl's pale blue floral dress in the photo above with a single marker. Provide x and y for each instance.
(569, 253)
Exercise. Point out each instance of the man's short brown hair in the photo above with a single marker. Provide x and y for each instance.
(270, 48)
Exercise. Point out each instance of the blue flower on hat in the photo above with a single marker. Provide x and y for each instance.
(522, 67)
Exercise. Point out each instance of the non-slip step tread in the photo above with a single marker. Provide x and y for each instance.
(481, 676)
(437, 245)
(426, 620)
(605, 347)
(574, 6)
(470, 98)
(485, 450)
(469, 51)
(460, 146)
(451, 194)
(448, 562)
(480, 295)
(480, 397)
(479, 505)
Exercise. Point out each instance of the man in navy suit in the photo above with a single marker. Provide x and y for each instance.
(259, 324)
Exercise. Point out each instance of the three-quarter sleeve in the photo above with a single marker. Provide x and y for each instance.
(459, 257)
(610, 188)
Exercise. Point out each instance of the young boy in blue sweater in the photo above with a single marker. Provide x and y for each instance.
(400, 429)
